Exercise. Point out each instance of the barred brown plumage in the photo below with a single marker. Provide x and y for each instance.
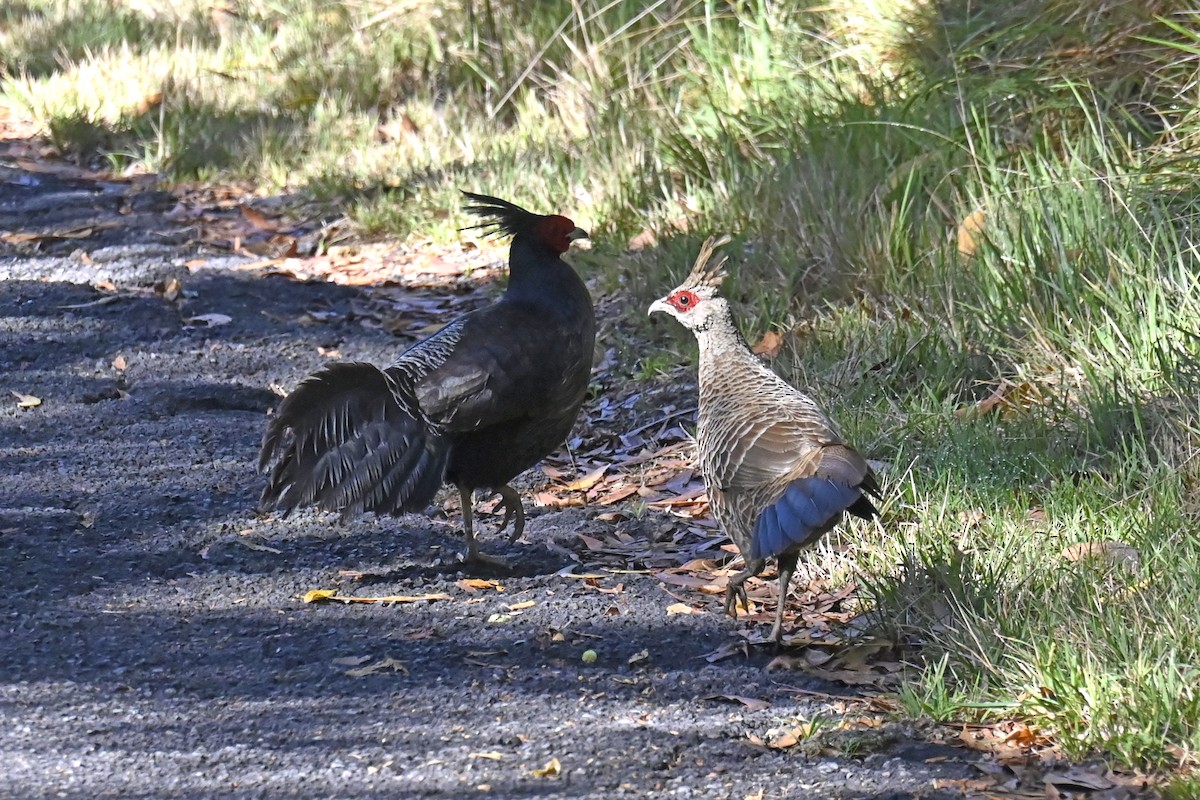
(482, 400)
(778, 475)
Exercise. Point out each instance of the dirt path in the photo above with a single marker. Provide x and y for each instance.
(154, 639)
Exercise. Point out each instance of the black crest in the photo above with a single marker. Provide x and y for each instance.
(499, 216)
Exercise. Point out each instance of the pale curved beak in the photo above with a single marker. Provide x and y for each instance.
(577, 233)
(659, 305)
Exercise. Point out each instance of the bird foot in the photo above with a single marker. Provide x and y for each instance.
(733, 595)
(514, 512)
(474, 556)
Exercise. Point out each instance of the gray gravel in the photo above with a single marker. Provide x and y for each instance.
(152, 631)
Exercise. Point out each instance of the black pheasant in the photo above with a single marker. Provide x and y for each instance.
(474, 405)
(778, 476)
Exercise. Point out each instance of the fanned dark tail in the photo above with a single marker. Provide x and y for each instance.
(350, 438)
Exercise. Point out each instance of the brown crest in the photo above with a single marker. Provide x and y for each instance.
(708, 271)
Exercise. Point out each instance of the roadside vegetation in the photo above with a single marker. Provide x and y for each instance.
(974, 226)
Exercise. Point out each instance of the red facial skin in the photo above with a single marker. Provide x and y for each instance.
(684, 300)
(553, 231)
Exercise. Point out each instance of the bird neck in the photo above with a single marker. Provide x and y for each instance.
(536, 273)
(725, 357)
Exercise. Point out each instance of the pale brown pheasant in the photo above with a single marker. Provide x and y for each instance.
(778, 475)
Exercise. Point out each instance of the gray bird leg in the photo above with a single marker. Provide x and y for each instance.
(787, 565)
(473, 554)
(736, 591)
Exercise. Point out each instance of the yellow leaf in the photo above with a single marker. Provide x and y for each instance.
(27, 400)
(317, 595)
(551, 770)
(522, 605)
(970, 232)
(680, 608)
(587, 481)
(471, 584)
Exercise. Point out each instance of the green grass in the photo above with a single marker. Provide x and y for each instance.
(843, 144)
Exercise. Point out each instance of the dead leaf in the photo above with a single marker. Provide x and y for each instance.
(752, 703)
(119, 363)
(379, 666)
(522, 605)
(27, 400)
(646, 238)
(351, 661)
(1105, 552)
(1080, 778)
(472, 584)
(491, 755)
(769, 345)
(256, 546)
(728, 651)
(639, 657)
(258, 220)
(793, 737)
(587, 481)
(680, 608)
(208, 320)
(169, 289)
(552, 770)
(321, 595)
(971, 232)
(149, 103)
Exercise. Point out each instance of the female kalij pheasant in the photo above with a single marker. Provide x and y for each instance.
(482, 400)
(778, 475)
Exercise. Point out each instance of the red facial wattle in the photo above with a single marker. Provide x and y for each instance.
(555, 232)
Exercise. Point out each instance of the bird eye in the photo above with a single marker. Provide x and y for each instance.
(684, 300)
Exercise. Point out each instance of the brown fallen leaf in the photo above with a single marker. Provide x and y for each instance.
(752, 703)
(119, 363)
(769, 345)
(1105, 552)
(379, 666)
(587, 481)
(524, 604)
(27, 400)
(715, 586)
(971, 232)
(1080, 777)
(793, 737)
(259, 220)
(324, 595)
(472, 584)
(681, 608)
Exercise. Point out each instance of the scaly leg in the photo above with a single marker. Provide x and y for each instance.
(513, 511)
(787, 565)
(736, 591)
(473, 554)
